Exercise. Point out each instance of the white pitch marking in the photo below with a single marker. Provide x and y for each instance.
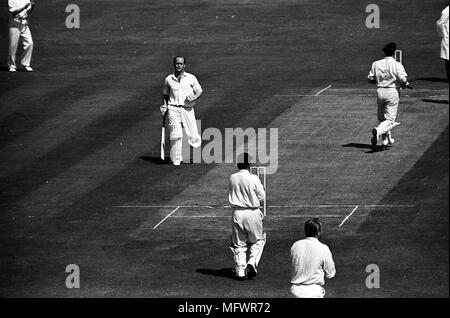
(273, 206)
(269, 216)
(346, 218)
(168, 215)
(323, 90)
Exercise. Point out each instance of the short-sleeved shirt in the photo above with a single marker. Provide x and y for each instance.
(442, 26)
(245, 190)
(179, 90)
(311, 260)
(387, 72)
(15, 5)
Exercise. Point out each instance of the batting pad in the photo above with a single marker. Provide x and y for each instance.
(175, 132)
(382, 129)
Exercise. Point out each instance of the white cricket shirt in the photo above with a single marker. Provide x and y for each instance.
(311, 260)
(245, 190)
(17, 4)
(179, 90)
(387, 72)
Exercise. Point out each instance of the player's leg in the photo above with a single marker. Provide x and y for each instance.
(190, 127)
(380, 115)
(27, 41)
(238, 244)
(14, 35)
(390, 115)
(176, 135)
(257, 238)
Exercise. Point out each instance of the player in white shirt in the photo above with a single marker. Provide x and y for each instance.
(311, 262)
(19, 29)
(442, 27)
(181, 89)
(245, 194)
(390, 76)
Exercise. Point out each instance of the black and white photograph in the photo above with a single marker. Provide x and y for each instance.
(225, 156)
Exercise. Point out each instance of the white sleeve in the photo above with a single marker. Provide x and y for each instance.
(13, 5)
(401, 73)
(442, 21)
(371, 75)
(329, 266)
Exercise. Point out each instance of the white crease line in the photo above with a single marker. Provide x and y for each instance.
(270, 206)
(323, 90)
(267, 216)
(346, 218)
(166, 217)
(294, 95)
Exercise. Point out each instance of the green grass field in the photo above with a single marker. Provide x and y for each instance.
(80, 180)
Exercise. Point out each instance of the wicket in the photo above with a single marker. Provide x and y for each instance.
(398, 56)
(261, 173)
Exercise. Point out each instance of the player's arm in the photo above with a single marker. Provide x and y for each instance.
(404, 83)
(31, 6)
(441, 22)
(15, 12)
(328, 265)
(260, 191)
(371, 77)
(196, 89)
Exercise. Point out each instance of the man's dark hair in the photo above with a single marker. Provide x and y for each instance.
(313, 227)
(243, 161)
(179, 56)
(389, 49)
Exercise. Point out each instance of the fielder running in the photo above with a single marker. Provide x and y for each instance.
(245, 194)
(18, 28)
(389, 75)
(181, 89)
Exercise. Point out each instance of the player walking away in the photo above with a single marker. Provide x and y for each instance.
(247, 236)
(311, 262)
(181, 89)
(389, 75)
(19, 29)
(442, 27)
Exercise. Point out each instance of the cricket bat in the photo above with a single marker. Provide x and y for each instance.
(163, 137)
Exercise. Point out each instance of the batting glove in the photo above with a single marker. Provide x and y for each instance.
(163, 110)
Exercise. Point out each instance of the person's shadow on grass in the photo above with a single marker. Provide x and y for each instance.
(373, 149)
(158, 161)
(223, 272)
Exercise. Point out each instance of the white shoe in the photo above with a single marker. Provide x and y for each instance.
(177, 162)
(28, 68)
(385, 142)
(12, 69)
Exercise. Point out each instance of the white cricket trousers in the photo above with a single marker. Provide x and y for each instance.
(387, 102)
(247, 230)
(307, 291)
(17, 31)
(179, 118)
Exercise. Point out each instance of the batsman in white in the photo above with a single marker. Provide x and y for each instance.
(19, 29)
(181, 89)
(390, 76)
(245, 193)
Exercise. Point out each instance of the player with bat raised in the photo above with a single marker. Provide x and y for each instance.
(390, 76)
(181, 90)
